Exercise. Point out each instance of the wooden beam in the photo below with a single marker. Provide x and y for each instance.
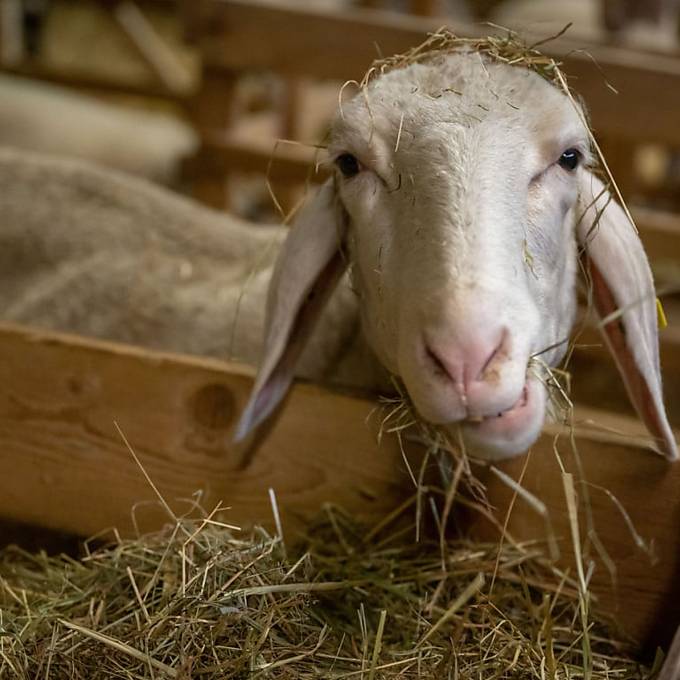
(320, 43)
(65, 466)
(151, 47)
(647, 96)
(302, 41)
(280, 161)
(426, 8)
(83, 81)
(11, 32)
(659, 231)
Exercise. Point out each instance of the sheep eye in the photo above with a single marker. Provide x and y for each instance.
(348, 164)
(570, 159)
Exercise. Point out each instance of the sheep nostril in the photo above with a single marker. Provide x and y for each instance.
(475, 361)
(500, 350)
(437, 363)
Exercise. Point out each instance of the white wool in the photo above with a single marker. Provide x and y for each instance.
(98, 253)
(49, 119)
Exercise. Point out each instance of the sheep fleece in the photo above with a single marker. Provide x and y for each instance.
(94, 252)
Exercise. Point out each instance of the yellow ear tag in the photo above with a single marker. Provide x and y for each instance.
(660, 315)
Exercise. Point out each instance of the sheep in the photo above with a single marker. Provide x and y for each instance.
(461, 200)
(444, 251)
(54, 120)
(95, 252)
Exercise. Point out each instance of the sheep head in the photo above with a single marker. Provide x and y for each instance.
(460, 195)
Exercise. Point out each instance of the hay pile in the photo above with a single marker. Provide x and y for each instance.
(198, 601)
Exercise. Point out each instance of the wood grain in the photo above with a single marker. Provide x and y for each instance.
(65, 466)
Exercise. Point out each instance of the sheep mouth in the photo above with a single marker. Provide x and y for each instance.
(521, 403)
(510, 432)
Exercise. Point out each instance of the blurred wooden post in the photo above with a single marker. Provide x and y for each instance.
(620, 156)
(288, 193)
(11, 33)
(213, 113)
(151, 47)
(212, 109)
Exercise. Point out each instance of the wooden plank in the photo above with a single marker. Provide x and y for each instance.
(322, 43)
(659, 231)
(83, 81)
(151, 47)
(304, 41)
(11, 32)
(281, 162)
(647, 96)
(65, 466)
(426, 8)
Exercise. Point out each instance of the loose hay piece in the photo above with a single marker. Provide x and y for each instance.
(197, 601)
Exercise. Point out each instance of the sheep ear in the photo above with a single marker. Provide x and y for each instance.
(625, 300)
(309, 266)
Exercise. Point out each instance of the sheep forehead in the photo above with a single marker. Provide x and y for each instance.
(460, 89)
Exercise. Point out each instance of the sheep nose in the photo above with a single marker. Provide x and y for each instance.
(468, 360)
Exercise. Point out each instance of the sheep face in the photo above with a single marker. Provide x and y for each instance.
(461, 193)
(460, 181)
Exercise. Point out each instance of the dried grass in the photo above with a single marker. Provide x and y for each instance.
(198, 601)
(507, 48)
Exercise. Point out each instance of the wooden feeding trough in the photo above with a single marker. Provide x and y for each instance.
(72, 411)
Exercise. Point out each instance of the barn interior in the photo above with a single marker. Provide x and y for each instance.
(118, 456)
